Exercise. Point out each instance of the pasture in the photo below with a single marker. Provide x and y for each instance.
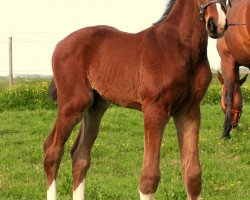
(117, 153)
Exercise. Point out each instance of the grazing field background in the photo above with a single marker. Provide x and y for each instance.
(27, 116)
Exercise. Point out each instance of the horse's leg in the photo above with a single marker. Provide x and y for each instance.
(83, 144)
(230, 71)
(155, 119)
(187, 123)
(54, 144)
(53, 147)
(72, 105)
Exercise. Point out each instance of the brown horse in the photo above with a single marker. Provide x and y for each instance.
(162, 71)
(234, 50)
(237, 104)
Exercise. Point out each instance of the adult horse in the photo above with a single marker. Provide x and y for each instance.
(162, 71)
(234, 50)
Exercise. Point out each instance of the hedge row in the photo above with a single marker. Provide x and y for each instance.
(213, 95)
(26, 96)
(34, 96)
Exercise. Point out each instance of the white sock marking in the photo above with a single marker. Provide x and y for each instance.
(146, 196)
(221, 15)
(51, 192)
(78, 194)
(199, 198)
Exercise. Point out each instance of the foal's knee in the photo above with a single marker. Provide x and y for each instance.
(149, 183)
(52, 160)
(80, 168)
(81, 165)
(193, 183)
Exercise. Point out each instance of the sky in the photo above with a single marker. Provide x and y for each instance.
(36, 26)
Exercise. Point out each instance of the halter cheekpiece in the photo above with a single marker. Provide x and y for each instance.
(209, 2)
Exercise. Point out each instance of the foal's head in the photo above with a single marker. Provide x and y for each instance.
(237, 99)
(213, 13)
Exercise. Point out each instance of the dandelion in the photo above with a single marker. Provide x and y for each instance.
(96, 144)
(70, 143)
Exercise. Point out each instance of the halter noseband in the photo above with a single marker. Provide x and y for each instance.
(236, 113)
(209, 2)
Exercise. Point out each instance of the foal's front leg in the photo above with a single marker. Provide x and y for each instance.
(154, 122)
(187, 123)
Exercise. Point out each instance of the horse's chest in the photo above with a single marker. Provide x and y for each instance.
(194, 83)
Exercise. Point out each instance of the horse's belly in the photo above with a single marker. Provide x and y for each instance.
(240, 48)
(117, 87)
(241, 54)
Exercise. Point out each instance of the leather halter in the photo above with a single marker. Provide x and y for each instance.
(208, 3)
(236, 113)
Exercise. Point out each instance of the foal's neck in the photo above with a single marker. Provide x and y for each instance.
(183, 24)
(184, 19)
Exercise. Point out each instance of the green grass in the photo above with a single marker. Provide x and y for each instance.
(27, 116)
(25, 94)
(117, 157)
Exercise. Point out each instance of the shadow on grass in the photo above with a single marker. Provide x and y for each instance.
(8, 132)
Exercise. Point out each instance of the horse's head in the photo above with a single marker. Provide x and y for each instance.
(213, 13)
(237, 99)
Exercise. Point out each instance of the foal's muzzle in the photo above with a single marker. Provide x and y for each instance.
(214, 30)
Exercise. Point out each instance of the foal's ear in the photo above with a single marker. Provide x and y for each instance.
(243, 80)
(220, 78)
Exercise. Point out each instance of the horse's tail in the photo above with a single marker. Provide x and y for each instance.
(52, 91)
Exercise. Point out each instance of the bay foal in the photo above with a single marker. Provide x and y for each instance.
(162, 71)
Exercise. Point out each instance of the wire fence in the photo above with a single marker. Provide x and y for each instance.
(30, 56)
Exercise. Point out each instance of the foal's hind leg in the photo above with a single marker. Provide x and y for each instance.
(83, 144)
(71, 109)
(187, 123)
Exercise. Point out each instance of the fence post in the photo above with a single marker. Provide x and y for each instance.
(10, 63)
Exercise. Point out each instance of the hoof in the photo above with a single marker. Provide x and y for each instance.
(225, 137)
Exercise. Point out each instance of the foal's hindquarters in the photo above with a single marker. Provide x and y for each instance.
(77, 102)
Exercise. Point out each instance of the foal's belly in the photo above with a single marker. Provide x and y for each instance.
(118, 85)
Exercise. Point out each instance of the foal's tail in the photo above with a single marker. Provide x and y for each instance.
(52, 91)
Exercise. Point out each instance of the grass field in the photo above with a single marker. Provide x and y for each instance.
(26, 118)
(117, 157)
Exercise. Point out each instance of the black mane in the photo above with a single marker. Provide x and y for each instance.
(166, 12)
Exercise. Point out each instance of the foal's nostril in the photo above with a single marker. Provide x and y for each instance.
(212, 27)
